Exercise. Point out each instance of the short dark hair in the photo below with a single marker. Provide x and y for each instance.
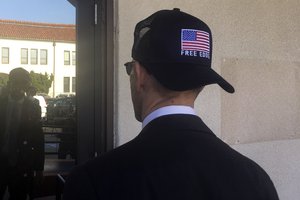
(20, 75)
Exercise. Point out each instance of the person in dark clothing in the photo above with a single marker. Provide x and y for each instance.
(175, 156)
(31, 92)
(21, 138)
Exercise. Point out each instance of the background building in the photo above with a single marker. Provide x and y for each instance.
(42, 48)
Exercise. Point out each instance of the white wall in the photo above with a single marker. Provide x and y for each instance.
(60, 70)
(15, 55)
(256, 48)
(281, 160)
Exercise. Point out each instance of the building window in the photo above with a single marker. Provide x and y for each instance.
(24, 56)
(73, 57)
(5, 55)
(33, 56)
(73, 84)
(43, 57)
(67, 58)
(66, 84)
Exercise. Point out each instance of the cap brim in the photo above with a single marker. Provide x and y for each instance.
(180, 77)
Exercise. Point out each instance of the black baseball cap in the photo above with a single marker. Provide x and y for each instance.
(19, 75)
(177, 49)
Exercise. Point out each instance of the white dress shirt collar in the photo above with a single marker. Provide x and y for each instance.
(168, 110)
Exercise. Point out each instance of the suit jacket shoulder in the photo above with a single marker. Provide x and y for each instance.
(174, 157)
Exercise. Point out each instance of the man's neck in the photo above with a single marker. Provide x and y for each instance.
(168, 110)
(155, 103)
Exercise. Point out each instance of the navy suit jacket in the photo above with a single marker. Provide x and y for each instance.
(30, 138)
(174, 157)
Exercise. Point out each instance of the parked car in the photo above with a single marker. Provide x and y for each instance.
(43, 105)
(46, 96)
(61, 110)
(61, 114)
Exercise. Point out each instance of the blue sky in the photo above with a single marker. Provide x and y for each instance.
(49, 11)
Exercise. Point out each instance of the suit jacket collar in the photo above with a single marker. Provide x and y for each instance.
(176, 122)
(168, 110)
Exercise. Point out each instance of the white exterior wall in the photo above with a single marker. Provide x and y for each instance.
(60, 69)
(256, 46)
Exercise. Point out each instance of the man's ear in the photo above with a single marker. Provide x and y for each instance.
(141, 76)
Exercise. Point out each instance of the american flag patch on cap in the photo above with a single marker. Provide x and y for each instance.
(195, 40)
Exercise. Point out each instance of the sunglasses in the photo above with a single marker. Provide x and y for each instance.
(129, 66)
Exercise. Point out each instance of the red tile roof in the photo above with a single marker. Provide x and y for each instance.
(10, 29)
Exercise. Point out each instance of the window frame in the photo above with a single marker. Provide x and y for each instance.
(66, 85)
(24, 58)
(73, 57)
(73, 84)
(43, 60)
(67, 60)
(95, 79)
(3, 57)
(32, 58)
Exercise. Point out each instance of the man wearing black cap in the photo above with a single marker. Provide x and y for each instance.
(21, 138)
(175, 156)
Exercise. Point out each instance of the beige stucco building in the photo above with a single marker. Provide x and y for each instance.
(256, 46)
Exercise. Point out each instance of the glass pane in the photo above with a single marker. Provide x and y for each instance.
(67, 58)
(73, 84)
(43, 56)
(73, 58)
(24, 56)
(36, 39)
(33, 56)
(5, 55)
(66, 84)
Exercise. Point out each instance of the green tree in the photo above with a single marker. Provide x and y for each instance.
(42, 82)
(3, 79)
